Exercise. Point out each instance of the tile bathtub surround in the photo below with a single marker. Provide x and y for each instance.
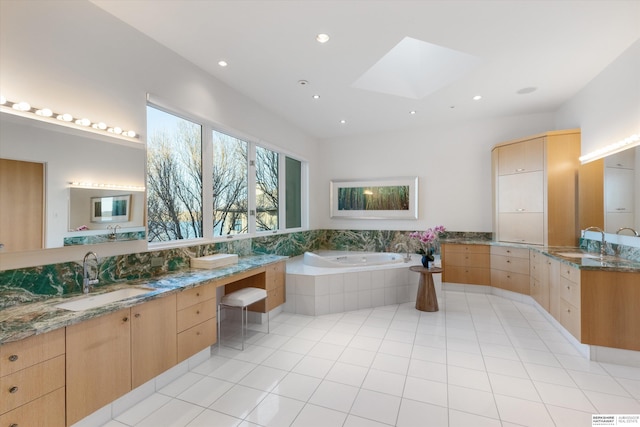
(482, 360)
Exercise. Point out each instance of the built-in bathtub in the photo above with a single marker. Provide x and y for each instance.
(327, 282)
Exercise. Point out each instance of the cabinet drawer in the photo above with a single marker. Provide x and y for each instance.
(47, 411)
(31, 383)
(570, 291)
(196, 295)
(275, 297)
(510, 281)
(467, 275)
(511, 264)
(570, 273)
(195, 314)
(18, 355)
(452, 247)
(510, 252)
(196, 338)
(570, 318)
(470, 259)
(275, 275)
(535, 270)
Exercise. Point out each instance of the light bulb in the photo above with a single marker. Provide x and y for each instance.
(130, 134)
(3, 100)
(22, 106)
(65, 117)
(83, 122)
(44, 112)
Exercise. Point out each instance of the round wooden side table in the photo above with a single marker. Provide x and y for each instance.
(426, 299)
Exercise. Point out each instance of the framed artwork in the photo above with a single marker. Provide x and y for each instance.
(110, 208)
(392, 198)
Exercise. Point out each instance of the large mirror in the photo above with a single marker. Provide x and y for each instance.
(67, 156)
(609, 193)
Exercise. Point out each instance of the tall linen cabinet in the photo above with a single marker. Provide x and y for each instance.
(535, 189)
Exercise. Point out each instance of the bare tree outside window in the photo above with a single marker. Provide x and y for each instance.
(174, 177)
(266, 189)
(230, 185)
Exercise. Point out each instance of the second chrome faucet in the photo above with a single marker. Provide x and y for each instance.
(88, 279)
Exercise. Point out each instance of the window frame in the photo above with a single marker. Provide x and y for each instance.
(208, 127)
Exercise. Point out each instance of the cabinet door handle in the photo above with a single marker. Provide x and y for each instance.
(198, 312)
(197, 294)
(13, 389)
(520, 210)
(520, 170)
(125, 319)
(14, 425)
(13, 358)
(136, 315)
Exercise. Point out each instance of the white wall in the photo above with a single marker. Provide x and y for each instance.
(453, 165)
(608, 108)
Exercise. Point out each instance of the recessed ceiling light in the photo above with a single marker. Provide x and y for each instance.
(452, 106)
(322, 38)
(222, 63)
(343, 121)
(412, 112)
(316, 96)
(526, 90)
(477, 97)
(303, 82)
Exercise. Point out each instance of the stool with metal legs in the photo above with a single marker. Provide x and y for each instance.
(241, 299)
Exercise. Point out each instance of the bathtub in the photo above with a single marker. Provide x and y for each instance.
(328, 282)
(358, 259)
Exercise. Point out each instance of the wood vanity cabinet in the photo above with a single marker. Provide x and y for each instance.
(98, 363)
(539, 278)
(153, 339)
(610, 316)
(32, 381)
(109, 355)
(510, 269)
(467, 264)
(272, 279)
(570, 300)
(196, 321)
(534, 181)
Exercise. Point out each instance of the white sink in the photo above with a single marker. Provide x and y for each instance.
(93, 301)
(576, 255)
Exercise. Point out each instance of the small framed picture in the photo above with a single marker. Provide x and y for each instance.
(110, 208)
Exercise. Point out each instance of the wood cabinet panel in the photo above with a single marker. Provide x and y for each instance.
(467, 275)
(466, 264)
(570, 318)
(456, 247)
(196, 338)
(26, 385)
(46, 411)
(610, 318)
(18, 355)
(509, 263)
(275, 275)
(570, 291)
(98, 363)
(195, 314)
(521, 192)
(522, 157)
(509, 251)
(463, 259)
(510, 281)
(525, 227)
(153, 339)
(195, 295)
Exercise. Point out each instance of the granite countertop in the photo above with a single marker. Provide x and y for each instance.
(23, 314)
(592, 261)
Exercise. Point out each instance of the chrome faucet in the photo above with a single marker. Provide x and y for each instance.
(87, 280)
(602, 243)
(628, 228)
(407, 257)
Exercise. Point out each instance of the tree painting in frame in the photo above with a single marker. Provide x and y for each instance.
(110, 208)
(393, 198)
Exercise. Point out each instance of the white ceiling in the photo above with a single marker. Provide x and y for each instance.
(557, 46)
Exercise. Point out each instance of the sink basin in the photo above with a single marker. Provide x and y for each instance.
(576, 255)
(93, 301)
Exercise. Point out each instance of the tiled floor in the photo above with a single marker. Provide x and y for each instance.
(482, 360)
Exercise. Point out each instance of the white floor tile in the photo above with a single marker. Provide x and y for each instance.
(472, 401)
(326, 351)
(181, 384)
(384, 382)
(143, 409)
(418, 414)
(426, 391)
(348, 374)
(389, 363)
(263, 378)
(523, 412)
(208, 418)
(513, 368)
(239, 401)
(521, 388)
(464, 419)
(568, 417)
(428, 370)
(354, 421)
(233, 371)
(549, 374)
(600, 383)
(275, 411)
(564, 397)
(334, 396)
(470, 378)
(297, 386)
(176, 413)
(611, 404)
(313, 366)
(376, 406)
(317, 416)
(205, 392)
(284, 360)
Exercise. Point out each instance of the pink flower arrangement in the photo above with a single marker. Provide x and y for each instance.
(428, 237)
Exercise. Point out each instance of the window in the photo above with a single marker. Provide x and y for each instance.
(174, 177)
(247, 188)
(230, 184)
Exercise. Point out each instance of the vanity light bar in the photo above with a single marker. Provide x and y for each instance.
(107, 186)
(629, 141)
(25, 107)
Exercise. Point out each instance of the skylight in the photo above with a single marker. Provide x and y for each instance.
(414, 69)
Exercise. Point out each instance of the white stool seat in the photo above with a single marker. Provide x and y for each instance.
(242, 298)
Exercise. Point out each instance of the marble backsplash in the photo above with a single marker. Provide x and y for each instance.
(65, 278)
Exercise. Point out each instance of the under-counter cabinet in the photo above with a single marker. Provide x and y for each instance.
(467, 264)
(534, 182)
(196, 322)
(570, 304)
(510, 269)
(539, 268)
(32, 379)
(109, 355)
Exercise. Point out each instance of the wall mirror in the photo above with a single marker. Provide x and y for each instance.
(71, 155)
(609, 190)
